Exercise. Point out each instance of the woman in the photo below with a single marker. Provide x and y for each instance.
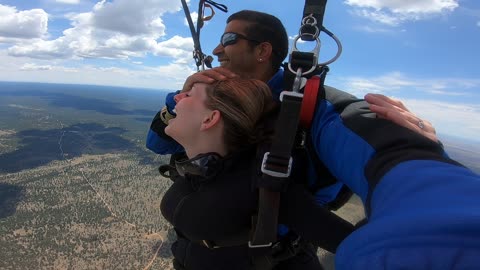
(211, 202)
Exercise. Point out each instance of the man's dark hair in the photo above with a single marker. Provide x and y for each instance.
(264, 27)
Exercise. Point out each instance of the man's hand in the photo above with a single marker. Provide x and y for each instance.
(208, 76)
(395, 111)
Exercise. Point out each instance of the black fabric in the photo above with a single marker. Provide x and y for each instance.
(317, 8)
(265, 232)
(305, 259)
(192, 256)
(158, 126)
(170, 170)
(303, 60)
(343, 196)
(286, 126)
(215, 210)
(276, 161)
(321, 227)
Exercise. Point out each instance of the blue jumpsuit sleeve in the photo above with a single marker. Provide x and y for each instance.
(358, 148)
(157, 141)
(422, 207)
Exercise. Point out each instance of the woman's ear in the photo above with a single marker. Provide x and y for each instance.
(211, 120)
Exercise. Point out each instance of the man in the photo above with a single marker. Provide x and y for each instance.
(254, 45)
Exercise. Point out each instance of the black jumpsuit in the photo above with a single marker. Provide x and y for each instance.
(219, 210)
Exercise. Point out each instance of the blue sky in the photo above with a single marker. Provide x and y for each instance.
(424, 52)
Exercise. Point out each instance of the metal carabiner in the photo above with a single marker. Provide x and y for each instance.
(315, 51)
(297, 82)
(309, 21)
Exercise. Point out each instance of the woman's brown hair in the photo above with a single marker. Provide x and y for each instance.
(243, 104)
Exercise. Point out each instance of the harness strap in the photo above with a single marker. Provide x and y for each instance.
(276, 167)
(315, 8)
(200, 58)
(217, 5)
(240, 239)
(209, 17)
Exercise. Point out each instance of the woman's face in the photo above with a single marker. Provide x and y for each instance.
(191, 111)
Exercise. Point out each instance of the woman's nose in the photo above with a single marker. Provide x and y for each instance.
(178, 97)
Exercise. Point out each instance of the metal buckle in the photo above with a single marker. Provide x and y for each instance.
(250, 245)
(274, 173)
(315, 51)
(290, 93)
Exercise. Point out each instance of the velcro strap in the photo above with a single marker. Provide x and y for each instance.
(304, 60)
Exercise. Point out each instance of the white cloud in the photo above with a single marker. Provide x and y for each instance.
(395, 82)
(131, 17)
(112, 30)
(373, 29)
(194, 16)
(70, 2)
(22, 24)
(170, 76)
(42, 49)
(448, 118)
(31, 66)
(395, 12)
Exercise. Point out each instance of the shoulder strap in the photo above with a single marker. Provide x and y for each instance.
(316, 9)
(276, 164)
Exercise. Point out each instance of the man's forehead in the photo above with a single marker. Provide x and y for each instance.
(237, 26)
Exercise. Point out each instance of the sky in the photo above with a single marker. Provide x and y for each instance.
(423, 52)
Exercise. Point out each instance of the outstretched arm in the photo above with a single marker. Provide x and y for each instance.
(314, 223)
(359, 148)
(395, 111)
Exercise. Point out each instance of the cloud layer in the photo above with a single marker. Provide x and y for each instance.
(112, 30)
(395, 12)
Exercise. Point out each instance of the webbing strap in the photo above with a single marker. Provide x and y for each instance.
(286, 126)
(317, 9)
(277, 162)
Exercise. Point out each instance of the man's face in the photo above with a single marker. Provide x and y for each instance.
(238, 57)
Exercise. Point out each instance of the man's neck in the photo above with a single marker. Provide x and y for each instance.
(266, 75)
(260, 74)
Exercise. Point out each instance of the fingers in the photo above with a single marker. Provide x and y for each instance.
(385, 101)
(223, 71)
(395, 111)
(208, 76)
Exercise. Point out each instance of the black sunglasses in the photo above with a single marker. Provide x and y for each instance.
(230, 38)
